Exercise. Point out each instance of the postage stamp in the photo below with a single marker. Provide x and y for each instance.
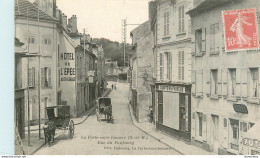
(240, 30)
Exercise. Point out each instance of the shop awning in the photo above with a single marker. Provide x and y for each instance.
(253, 133)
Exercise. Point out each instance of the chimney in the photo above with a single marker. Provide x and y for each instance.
(73, 23)
(64, 20)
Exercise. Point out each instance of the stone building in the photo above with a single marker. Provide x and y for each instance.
(172, 54)
(142, 71)
(225, 85)
(41, 39)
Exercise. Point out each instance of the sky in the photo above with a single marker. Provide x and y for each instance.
(102, 18)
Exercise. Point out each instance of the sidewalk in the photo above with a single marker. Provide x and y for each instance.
(180, 146)
(36, 143)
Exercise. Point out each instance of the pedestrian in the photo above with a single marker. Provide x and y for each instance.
(112, 86)
(115, 86)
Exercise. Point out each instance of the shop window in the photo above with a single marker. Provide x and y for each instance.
(232, 82)
(234, 142)
(254, 81)
(198, 41)
(214, 82)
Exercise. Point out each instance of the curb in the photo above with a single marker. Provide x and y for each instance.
(31, 153)
(162, 141)
(91, 110)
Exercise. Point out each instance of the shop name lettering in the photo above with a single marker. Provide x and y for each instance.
(251, 143)
(66, 70)
(172, 88)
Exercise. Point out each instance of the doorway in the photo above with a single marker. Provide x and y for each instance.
(215, 132)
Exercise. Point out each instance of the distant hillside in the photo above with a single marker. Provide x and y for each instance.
(113, 49)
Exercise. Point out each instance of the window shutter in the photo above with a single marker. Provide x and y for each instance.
(204, 127)
(49, 76)
(158, 66)
(219, 81)
(199, 82)
(30, 77)
(193, 80)
(208, 82)
(238, 81)
(244, 81)
(179, 19)
(42, 77)
(224, 82)
(33, 77)
(193, 121)
(203, 42)
(225, 133)
(170, 66)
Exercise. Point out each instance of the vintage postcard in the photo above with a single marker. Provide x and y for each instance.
(137, 77)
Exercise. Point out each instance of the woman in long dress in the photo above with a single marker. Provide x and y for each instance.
(237, 27)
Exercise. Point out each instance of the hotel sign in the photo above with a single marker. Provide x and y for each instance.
(67, 66)
(172, 88)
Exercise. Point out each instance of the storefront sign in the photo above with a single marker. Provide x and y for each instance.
(240, 30)
(240, 108)
(172, 88)
(251, 143)
(67, 71)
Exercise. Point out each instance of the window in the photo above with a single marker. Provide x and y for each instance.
(169, 65)
(243, 126)
(46, 77)
(232, 82)
(181, 65)
(234, 139)
(47, 41)
(181, 19)
(161, 67)
(225, 122)
(200, 116)
(254, 79)
(31, 40)
(198, 41)
(166, 23)
(214, 82)
(214, 29)
(31, 79)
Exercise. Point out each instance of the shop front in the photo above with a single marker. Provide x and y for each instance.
(251, 141)
(174, 110)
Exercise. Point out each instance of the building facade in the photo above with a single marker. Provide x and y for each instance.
(225, 85)
(41, 40)
(142, 71)
(172, 53)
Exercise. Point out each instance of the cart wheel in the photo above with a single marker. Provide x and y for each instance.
(71, 129)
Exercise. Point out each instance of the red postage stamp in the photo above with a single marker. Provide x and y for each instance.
(240, 30)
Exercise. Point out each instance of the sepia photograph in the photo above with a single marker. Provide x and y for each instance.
(136, 77)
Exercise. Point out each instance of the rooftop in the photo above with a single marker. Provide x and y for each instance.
(21, 7)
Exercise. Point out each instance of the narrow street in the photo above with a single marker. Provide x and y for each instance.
(122, 137)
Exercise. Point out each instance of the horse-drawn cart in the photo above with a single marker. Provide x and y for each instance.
(104, 109)
(58, 118)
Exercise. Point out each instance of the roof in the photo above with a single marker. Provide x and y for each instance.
(21, 7)
(253, 132)
(207, 5)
